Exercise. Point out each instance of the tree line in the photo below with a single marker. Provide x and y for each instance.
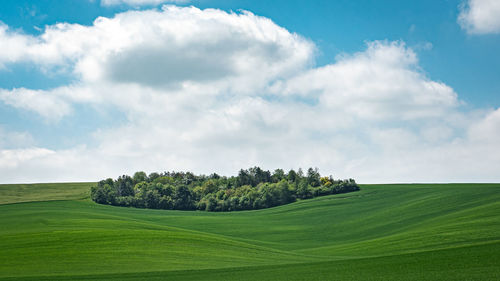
(253, 188)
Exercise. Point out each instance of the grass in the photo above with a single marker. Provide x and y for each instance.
(383, 232)
(15, 193)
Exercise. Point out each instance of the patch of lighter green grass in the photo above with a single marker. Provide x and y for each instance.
(15, 193)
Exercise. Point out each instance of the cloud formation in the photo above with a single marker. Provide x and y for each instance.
(383, 82)
(480, 16)
(166, 48)
(46, 104)
(206, 90)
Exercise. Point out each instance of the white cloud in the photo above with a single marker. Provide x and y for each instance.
(12, 139)
(46, 104)
(480, 16)
(13, 45)
(206, 90)
(487, 130)
(167, 48)
(383, 82)
(138, 3)
(12, 158)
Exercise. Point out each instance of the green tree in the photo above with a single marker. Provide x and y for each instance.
(303, 189)
(182, 197)
(124, 186)
(254, 188)
(278, 175)
(313, 177)
(292, 176)
(285, 195)
(140, 177)
(153, 176)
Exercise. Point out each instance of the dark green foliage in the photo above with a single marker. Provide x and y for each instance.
(278, 175)
(313, 177)
(140, 176)
(253, 188)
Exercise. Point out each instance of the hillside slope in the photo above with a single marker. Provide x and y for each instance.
(16, 193)
(383, 232)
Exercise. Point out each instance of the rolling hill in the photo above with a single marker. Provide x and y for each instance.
(383, 232)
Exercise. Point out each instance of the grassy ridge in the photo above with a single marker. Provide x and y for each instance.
(15, 193)
(383, 232)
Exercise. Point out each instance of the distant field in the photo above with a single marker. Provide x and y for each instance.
(15, 193)
(383, 232)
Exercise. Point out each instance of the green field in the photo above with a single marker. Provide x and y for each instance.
(15, 193)
(383, 232)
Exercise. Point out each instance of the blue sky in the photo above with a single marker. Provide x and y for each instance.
(396, 82)
(468, 63)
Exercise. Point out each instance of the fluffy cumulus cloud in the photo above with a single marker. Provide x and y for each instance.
(480, 16)
(206, 90)
(382, 82)
(173, 47)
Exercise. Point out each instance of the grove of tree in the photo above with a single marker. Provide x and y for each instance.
(253, 188)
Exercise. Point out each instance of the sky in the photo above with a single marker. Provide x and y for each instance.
(379, 91)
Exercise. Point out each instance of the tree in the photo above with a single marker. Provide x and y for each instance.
(209, 186)
(254, 188)
(258, 175)
(152, 199)
(214, 176)
(300, 173)
(278, 175)
(292, 176)
(104, 194)
(313, 177)
(182, 198)
(124, 186)
(167, 190)
(244, 178)
(284, 193)
(140, 177)
(153, 176)
(188, 178)
(326, 181)
(245, 203)
(166, 203)
(303, 189)
(211, 204)
(98, 195)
